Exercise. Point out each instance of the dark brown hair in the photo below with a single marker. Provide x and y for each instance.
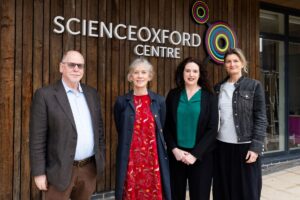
(202, 81)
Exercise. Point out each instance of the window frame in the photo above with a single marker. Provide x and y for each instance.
(288, 152)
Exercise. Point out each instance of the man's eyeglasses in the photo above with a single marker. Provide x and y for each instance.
(73, 65)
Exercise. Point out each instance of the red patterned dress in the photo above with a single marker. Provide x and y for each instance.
(143, 179)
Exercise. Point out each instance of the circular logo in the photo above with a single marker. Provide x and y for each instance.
(200, 12)
(218, 39)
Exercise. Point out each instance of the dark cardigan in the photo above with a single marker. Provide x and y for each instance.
(124, 114)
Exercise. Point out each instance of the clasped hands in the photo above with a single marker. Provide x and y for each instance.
(184, 156)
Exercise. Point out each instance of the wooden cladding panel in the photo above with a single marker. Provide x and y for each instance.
(27, 89)
(17, 105)
(31, 52)
(7, 56)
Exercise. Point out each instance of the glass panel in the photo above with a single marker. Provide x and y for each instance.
(272, 77)
(271, 22)
(294, 26)
(294, 95)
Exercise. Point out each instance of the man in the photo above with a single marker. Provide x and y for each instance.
(66, 134)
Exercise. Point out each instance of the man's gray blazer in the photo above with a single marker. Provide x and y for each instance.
(53, 133)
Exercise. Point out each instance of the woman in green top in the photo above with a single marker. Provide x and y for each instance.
(190, 131)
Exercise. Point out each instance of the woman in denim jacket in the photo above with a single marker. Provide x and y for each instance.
(242, 129)
(142, 168)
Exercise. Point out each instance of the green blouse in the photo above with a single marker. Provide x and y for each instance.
(188, 113)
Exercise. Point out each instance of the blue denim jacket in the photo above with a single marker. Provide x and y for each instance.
(124, 114)
(249, 110)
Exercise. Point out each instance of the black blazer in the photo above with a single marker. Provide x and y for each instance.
(53, 133)
(207, 125)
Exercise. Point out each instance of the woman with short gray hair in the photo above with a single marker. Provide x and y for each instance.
(142, 161)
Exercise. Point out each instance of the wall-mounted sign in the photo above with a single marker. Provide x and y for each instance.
(92, 28)
(157, 42)
(200, 12)
(219, 37)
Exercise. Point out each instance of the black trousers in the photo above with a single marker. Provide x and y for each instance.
(234, 179)
(198, 175)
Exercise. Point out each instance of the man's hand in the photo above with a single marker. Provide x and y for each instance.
(41, 182)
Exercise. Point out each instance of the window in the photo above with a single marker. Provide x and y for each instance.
(294, 95)
(279, 61)
(272, 76)
(271, 22)
(294, 26)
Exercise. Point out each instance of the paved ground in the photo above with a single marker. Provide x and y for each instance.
(282, 185)
(280, 182)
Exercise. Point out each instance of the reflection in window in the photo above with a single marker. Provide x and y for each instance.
(294, 95)
(272, 77)
(271, 22)
(294, 26)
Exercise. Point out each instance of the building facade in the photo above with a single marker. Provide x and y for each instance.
(279, 60)
(110, 34)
